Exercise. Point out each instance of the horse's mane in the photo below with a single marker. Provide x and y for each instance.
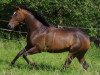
(36, 14)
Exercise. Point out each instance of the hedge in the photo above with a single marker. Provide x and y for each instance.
(70, 13)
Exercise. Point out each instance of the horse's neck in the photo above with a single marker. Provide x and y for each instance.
(32, 23)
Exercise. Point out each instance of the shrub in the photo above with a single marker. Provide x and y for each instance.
(70, 13)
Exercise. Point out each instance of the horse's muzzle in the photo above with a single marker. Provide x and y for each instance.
(10, 27)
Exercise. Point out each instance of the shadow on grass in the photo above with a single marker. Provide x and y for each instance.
(41, 66)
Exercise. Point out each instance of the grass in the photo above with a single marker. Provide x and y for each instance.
(48, 63)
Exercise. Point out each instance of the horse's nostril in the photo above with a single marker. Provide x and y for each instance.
(9, 26)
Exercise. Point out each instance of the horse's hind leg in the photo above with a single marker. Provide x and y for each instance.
(68, 60)
(27, 60)
(81, 59)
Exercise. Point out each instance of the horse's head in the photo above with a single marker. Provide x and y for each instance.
(17, 17)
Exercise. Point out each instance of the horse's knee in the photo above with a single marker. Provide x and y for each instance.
(31, 51)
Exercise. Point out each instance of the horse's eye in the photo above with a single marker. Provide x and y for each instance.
(15, 14)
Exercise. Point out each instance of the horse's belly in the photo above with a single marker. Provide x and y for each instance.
(58, 44)
(56, 50)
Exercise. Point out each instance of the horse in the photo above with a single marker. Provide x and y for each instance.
(43, 37)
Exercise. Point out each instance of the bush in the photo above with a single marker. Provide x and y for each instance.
(70, 13)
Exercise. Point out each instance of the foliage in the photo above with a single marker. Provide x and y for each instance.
(70, 13)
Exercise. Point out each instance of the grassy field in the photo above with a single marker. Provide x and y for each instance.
(48, 63)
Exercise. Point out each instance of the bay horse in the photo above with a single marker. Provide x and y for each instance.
(42, 37)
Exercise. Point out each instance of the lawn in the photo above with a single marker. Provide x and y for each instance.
(47, 63)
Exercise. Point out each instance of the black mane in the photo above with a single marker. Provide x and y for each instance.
(37, 15)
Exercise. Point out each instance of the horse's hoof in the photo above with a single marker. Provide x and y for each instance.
(86, 66)
(12, 63)
(33, 64)
(65, 67)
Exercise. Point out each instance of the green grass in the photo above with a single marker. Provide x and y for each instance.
(47, 63)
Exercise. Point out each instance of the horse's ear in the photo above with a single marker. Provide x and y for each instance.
(17, 8)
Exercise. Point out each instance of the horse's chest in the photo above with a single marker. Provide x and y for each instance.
(38, 40)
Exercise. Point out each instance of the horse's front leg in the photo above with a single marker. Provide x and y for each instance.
(31, 51)
(17, 56)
